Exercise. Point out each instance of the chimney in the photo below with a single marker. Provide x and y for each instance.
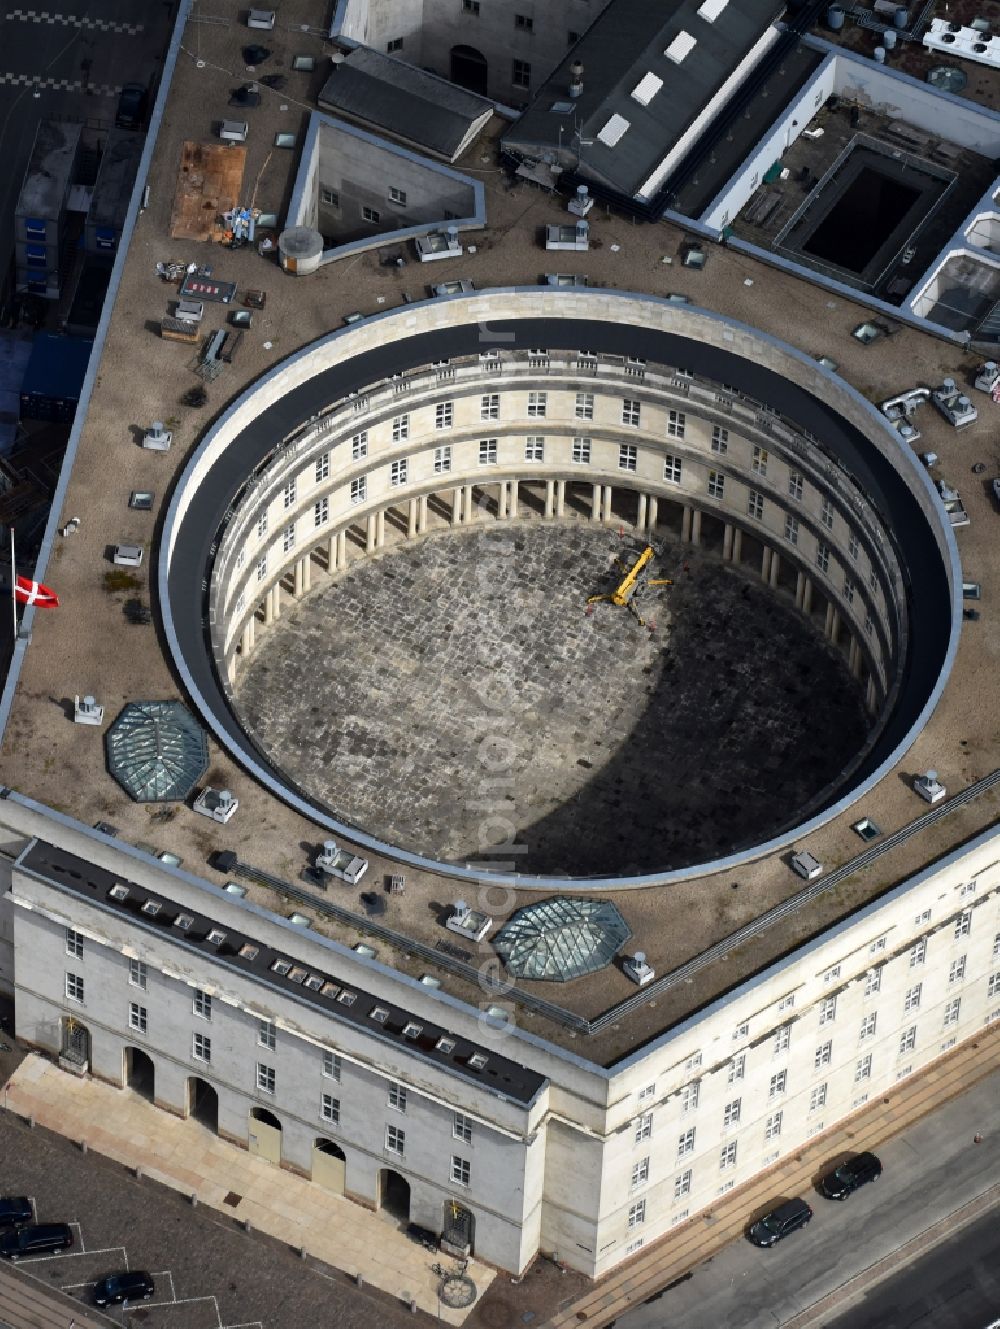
(575, 79)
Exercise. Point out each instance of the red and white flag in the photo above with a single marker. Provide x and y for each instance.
(30, 592)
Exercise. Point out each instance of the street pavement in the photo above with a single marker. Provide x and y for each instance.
(932, 1169)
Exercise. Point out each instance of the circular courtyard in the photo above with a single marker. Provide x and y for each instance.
(457, 697)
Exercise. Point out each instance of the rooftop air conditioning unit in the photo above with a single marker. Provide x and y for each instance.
(806, 865)
(216, 804)
(156, 438)
(638, 970)
(470, 923)
(929, 788)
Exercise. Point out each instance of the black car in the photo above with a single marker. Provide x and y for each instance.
(131, 107)
(784, 1218)
(132, 1285)
(15, 1210)
(839, 1184)
(35, 1239)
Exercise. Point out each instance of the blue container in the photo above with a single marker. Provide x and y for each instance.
(835, 18)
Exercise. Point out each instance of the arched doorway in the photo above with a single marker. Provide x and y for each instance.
(329, 1166)
(140, 1074)
(469, 69)
(75, 1045)
(459, 1234)
(264, 1138)
(203, 1103)
(394, 1194)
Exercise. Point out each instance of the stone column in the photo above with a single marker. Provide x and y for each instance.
(640, 515)
(268, 608)
(515, 486)
(380, 528)
(696, 526)
(800, 586)
(871, 695)
(775, 567)
(595, 504)
(456, 505)
(299, 577)
(307, 573)
(653, 512)
(276, 601)
(422, 518)
(411, 519)
(606, 508)
(502, 501)
(247, 640)
(550, 499)
(807, 596)
(686, 524)
(342, 550)
(737, 544)
(470, 504)
(231, 674)
(560, 498)
(765, 564)
(727, 542)
(834, 630)
(331, 554)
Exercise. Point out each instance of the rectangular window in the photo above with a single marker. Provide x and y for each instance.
(685, 1144)
(778, 1085)
(912, 999)
(331, 1065)
(640, 1173)
(359, 489)
(731, 1112)
(487, 452)
(137, 1017)
(397, 196)
(832, 974)
(537, 404)
(489, 406)
(737, 1068)
(627, 456)
(524, 22)
(395, 1140)
(329, 1108)
(956, 972)
(682, 1184)
(918, 952)
(849, 590)
(520, 74)
(266, 1034)
(585, 406)
(265, 1078)
(951, 1011)
(772, 1129)
(442, 459)
(996, 947)
(716, 484)
(823, 556)
(791, 528)
(321, 511)
(202, 1004)
(908, 1040)
(646, 1092)
(359, 445)
(444, 415)
(727, 1158)
(137, 974)
(637, 1214)
(824, 1055)
(581, 451)
(371, 215)
(262, 567)
(720, 439)
(879, 944)
(288, 538)
(794, 485)
(873, 981)
(758, 461)
(321, 470)
(397, 1096)
(631, 411)
(782, 1037)
(329, 197)
(461, 1171)
(742, 1030)
(643, 1127)
(470, 6)
(672, 469)
(461, 1127)
(755, 504)
(676, 422)
(398, 471)
(826, 514)
(863, 1070)
(400, 428)
(963, 925)
(817, 1097)
(853, 546)
(534, 449)
(689, 1097)
(262, 525)
(993, 985)
(396, 44)
(74, 943)
(201, 1047)
(288, 494)
(868, 1027)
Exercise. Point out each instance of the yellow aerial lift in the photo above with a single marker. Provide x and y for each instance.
(633, 584)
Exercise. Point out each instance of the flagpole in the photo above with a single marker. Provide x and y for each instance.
(13, 581)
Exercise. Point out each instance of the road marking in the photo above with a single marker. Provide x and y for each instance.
(59, 84)
(72, 1255)
(73, 21)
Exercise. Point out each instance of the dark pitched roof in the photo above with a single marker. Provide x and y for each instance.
(403, 100)
(624, 53)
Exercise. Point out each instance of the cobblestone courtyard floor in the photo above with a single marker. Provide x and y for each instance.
(454, 694)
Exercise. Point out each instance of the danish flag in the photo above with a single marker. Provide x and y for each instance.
(30, 592)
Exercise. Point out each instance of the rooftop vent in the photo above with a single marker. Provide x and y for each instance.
(119, 891)
(636, 968)
(314, 982)
(411, 1029)
(297, 974)
(647, 88)
(929, 788)
(614, 131)
(576, 79)
(380, 1014)
(281, 967)
(681, 47)
(347, 998)
(478, 1061)
(711, 10)
(151, 907)
(216, 937)
(184, 921)
(446, 1045)
(248, 952)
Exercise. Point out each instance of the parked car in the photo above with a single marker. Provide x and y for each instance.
(783, 1219)
(15, 1210)
(35, 1239)
(844, 1180)
(131, 112)
(129, 1285)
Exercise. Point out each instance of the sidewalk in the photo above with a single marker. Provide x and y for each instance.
(189, 1158)
(696, 1241)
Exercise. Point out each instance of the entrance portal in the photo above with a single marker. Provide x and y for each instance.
(140, 1075)
(75, 1044)
(329, 1166)
(394, 1194)
(264, 1137)
(469, 69)
(459, 1228)
(203, 1103)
